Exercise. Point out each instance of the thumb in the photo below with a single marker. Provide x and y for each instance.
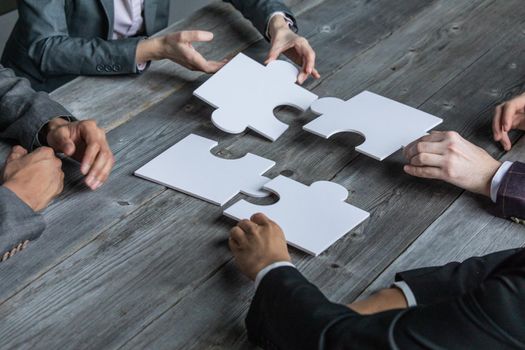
(61, 141)
(272, 55)
(17, 152)
(196, 36)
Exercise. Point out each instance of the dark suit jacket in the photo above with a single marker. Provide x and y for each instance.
(479, 304)
(23, 112)
(55, 41)
(511, 193)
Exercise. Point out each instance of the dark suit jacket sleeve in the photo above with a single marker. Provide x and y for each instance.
(259, 11)
(511, 193)
(437, 284)
(289, 313)
(23, 111)
(18, 222)
(56, 53)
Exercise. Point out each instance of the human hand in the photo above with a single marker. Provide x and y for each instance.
(178, 47)
(449, 157)
(85, 142)
(257, 243)
(295, 47)
(36, 178)
(507, 116)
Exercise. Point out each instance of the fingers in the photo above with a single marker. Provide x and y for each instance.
(508, 113)
(199, 63)
(237, 237)
(274, 54)
(60, 140)
(99, 171)
(423, 147)
(260, 219)
(196, 36)
(247, 226)
(424, 172)
(427, 159)
(17, 152)
(496, 123)
(308, 59)
(505, 141)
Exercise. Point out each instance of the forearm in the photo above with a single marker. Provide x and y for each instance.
(62, 55)
(23, 111)
(384, 300)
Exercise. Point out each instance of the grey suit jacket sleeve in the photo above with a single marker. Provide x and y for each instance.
(18, 222)
(23, 111)
(56, 53)
(259, 11)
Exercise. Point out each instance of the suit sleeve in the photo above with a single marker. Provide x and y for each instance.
(511, 193)
(56, 53)
(259, 11)
(18, 222)
(290, 313)
(23, 111)
(437, 284)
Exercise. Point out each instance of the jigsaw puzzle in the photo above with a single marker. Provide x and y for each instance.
(246, 93)
(387, 125)
(190, 167)
(312, 217)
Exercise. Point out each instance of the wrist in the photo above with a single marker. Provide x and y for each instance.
(491, 171)
(277, 23)
(150, 50)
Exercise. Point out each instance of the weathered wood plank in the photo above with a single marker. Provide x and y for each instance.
(484, 78)
(134, 144)
(109, 291)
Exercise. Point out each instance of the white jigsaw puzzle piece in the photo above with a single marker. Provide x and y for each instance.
(246, 93)
(312, 217)
(190, 167)
(387, 125)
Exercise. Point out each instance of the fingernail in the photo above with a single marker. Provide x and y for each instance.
(90, 180)
(85, 168)
(97, 185)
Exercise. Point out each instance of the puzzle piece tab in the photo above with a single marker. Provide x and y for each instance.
(312, 217)
(387, 125)
(246, 93)
(189, 167)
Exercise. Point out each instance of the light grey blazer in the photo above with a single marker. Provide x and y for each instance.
(55, 41)
(23, 112)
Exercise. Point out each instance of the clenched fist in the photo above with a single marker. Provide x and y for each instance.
(36, 178)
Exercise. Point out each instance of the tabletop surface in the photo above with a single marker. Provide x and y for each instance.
(136, 265)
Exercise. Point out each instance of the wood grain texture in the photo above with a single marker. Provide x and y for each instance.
(154, 271)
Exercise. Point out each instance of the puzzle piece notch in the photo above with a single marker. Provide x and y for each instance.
(312, 217)
(246, 93)
(385, 124)
(190, 167)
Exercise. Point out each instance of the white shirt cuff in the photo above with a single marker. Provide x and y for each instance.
(269, 268)
(497, 179)
(407, 292)
(278, 13)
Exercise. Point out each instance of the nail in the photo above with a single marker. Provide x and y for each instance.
(85, 168)
(90, 180)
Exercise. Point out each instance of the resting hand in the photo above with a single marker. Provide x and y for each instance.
(257, 243)
(178, 47)
(297, 48)
(509, 115)
(35, 178)
(85, 142)
(449, 157)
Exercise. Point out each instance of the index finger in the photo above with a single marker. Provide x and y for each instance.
(496, 123)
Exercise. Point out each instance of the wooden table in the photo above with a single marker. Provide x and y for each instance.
(135, 265)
